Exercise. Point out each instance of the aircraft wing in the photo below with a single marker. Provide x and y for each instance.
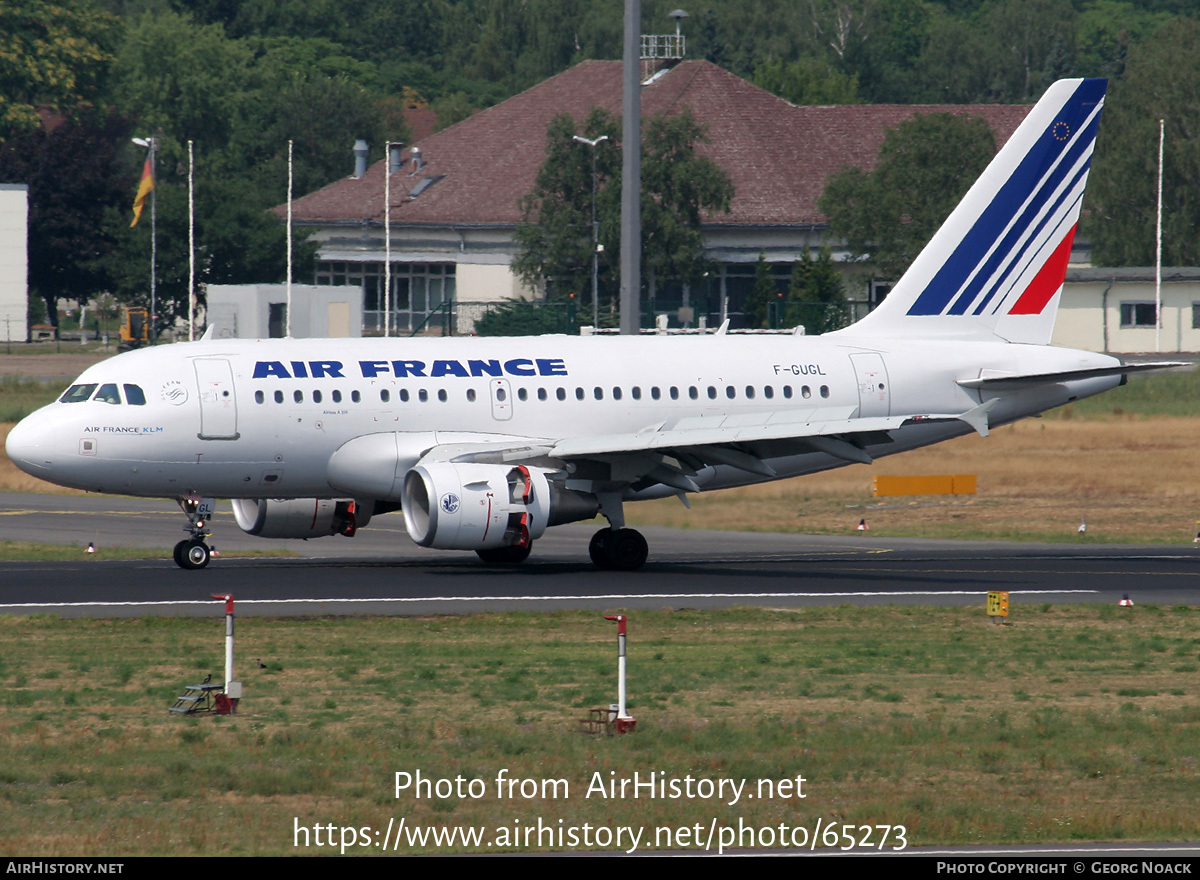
(670, 452)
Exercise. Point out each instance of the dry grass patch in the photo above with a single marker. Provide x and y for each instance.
(1134, 479)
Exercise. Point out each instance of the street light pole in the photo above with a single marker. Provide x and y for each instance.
(595, 230)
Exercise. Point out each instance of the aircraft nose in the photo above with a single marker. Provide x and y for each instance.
(29, 449)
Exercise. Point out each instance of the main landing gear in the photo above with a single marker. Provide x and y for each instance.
(194, 552)
(618, 549)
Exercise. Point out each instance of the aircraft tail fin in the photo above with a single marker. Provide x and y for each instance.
(996, 266)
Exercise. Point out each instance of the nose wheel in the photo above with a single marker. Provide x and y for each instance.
(191, 554)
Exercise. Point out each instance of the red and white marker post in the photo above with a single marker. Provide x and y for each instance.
(624, 722)
(227, 702)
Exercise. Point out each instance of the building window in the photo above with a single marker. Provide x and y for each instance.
(1137, 314)
(419, 291)
(1196, 316)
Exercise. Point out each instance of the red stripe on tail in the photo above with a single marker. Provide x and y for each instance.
(1047, 281)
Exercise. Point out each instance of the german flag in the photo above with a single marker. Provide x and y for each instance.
(144, 190)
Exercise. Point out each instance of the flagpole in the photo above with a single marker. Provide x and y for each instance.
(387, 238)
(147, 188)
(191, 247)
(1158, 248)
(289, 244)
(153, 244)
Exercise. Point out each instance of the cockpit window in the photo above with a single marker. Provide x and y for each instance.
(108, 394)
(77, 393)
(134, 395)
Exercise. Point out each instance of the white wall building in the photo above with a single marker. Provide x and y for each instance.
(1113, 310)
(259, 311)
(14, 262)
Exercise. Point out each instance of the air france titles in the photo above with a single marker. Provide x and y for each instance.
(412, 369)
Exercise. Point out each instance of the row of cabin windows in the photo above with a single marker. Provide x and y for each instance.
(598, 393)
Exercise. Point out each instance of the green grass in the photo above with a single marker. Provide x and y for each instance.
(25, 551)
(1070, 724)
(1172, 393)
(20, 396)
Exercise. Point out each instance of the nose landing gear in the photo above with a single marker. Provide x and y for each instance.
(193, 552)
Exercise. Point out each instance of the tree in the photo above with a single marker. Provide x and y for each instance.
(758, 311)
(52, 52)
(925, 166)
(806, 82)
(520, 318)
(816, 295)
(1162, 81)
(182, 81)
(678, 186)
(75, 173)
(555, 235)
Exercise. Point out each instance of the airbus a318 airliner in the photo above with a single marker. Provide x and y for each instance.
(484, 443)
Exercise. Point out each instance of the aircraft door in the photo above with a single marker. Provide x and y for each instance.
(501, 399)
(218, 404)
(874, 391)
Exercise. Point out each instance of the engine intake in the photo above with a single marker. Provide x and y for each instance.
(468, 506)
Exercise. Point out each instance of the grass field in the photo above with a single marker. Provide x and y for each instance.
(1070, 724)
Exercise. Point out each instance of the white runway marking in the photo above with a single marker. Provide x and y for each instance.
(599, 596)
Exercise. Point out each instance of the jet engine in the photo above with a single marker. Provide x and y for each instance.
(300, 517)
(468, 506)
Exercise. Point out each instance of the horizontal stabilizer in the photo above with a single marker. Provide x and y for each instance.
(1031, 380)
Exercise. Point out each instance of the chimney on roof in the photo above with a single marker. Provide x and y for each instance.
(360, 158)
(394, 157)
(418, 161)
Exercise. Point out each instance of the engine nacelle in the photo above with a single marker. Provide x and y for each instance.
(300, 517)
(466, 506)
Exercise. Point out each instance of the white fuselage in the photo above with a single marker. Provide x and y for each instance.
(263, 419)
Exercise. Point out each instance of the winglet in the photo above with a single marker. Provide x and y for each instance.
(723, 329)
(208, 332)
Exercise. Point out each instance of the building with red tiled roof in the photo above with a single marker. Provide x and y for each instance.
(454, 211)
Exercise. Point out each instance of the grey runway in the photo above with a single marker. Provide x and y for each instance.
(381, 572)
